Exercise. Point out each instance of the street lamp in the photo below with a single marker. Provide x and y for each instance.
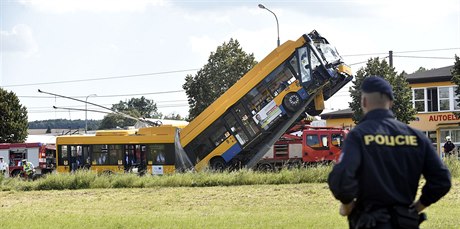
(277, 25)
(86, 112)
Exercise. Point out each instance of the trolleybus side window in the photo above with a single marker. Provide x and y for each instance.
(270, 87)
(219, 133)
(294, 65)
(160, 154)
(100, 154)
(279, 80)
(115, 154)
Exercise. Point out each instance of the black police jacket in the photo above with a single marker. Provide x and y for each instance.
(381, 163)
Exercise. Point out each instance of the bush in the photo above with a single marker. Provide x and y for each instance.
(454, 166)
(90, 179)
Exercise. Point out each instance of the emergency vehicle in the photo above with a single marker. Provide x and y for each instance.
(304, 144)
(42, 157)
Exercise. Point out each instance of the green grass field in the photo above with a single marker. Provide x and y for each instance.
(246, 206)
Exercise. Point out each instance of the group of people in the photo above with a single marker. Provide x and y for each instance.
(27, 166)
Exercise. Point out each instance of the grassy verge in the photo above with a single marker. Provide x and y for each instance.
(90, 180)
(246, 206)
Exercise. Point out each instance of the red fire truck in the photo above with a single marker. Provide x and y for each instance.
(42, 157)
(304, 144)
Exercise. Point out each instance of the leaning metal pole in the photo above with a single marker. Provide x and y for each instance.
(97, 105)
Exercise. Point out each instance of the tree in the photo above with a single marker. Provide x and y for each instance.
(146, 108)
(225, 66)
(402, 104)
(135, 107)
(13, 118)
(421, 69)
(456, 80)
(174, 116)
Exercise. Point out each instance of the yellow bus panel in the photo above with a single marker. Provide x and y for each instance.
(222, 148)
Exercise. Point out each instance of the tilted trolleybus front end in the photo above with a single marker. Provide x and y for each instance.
(241, 125)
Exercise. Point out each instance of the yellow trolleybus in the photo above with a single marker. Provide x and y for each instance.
(242, 124)
(147, 150)
(236, 130)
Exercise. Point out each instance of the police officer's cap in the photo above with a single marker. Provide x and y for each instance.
(377, 84)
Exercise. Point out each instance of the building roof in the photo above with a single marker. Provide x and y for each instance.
(346, 113)
(433, 75)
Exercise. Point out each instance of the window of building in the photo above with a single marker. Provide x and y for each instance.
(456, 99)
(419, 99)
(434, 99)
(453, 133)
(444, 99)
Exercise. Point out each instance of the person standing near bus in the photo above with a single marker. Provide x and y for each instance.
(3, 167)
(377, 176)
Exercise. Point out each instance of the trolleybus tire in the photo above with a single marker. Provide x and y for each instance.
(292, 101)
(311, 110)
(218, 164)
(266, 167)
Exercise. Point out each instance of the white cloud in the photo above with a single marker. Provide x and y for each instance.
(19, 40)
(65, 6)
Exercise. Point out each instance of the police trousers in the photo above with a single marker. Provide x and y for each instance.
(394, 217)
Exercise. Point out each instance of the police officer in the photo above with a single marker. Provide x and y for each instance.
(28, 168)
(377, 176)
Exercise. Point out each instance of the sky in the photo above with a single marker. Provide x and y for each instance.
(106, 51)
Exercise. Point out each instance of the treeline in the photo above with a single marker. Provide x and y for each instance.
(64, 124)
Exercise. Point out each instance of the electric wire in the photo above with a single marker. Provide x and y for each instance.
(102, 78)
(195, 69)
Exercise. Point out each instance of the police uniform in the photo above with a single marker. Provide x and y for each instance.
(382, 161)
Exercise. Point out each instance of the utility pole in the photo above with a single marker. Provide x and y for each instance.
(390, 57)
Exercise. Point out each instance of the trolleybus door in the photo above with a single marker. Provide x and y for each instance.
(73, 157)
(240, 122)
(85, 158)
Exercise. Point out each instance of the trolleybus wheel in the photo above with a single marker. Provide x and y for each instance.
(292, 101)
(265, 167)
(311, 110)
(218, 164)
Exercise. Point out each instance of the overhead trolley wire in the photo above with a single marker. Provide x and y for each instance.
(426, 57)
(410, 51)
(195, 69)
(105, 96)
(102, 78)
